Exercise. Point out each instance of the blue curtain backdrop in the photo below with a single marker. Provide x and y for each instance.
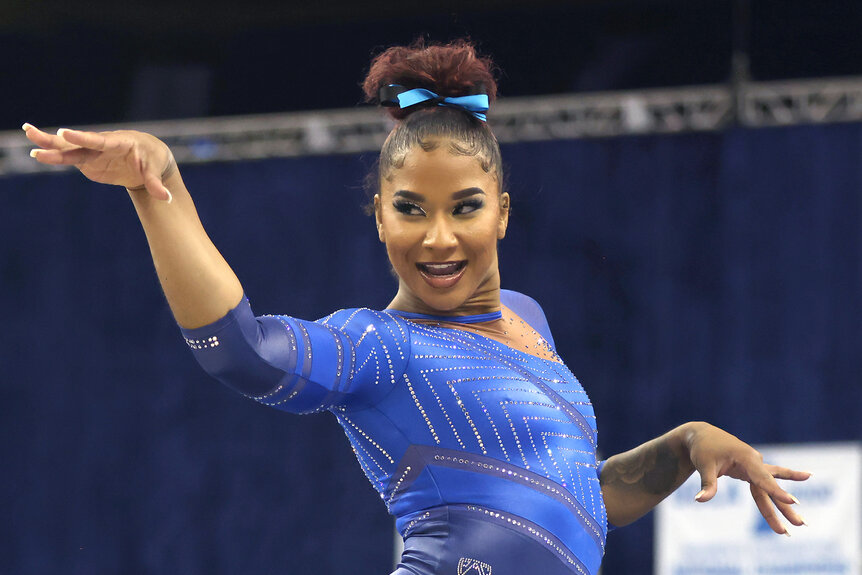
(708, 276)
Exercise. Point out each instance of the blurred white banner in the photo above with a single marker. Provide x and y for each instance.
(727, 536)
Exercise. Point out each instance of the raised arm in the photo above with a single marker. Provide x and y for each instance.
(636, 481)
(285, 362)
(199, 285)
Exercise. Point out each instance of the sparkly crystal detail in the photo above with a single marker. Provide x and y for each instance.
(532, 530)
(207, 343)
(489, 411)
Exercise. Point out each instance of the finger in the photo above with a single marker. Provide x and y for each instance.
(72, 157)
(762, 478)
(44, 139)
(91, 140)
(764, 505)
(153, 183)
(708, 482)
(785, 473)
(790, 512)
(157, 189)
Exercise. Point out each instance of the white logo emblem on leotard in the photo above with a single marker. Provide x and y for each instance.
(467, 566)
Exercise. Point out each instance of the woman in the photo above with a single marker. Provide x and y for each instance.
(478, 438)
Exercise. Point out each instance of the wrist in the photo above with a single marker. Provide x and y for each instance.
(690, 432)
(684, 438)
(166, 173)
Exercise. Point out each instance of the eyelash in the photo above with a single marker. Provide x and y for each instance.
(407, 208)
(474, 204)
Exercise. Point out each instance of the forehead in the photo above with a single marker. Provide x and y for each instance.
(438, 169)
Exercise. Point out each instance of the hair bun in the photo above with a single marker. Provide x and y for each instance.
(450, 70)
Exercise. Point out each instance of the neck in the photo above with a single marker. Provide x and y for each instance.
(486, 299)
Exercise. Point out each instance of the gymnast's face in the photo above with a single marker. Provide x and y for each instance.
(441, 215)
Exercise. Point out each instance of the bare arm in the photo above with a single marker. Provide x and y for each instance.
(199, 285)
(636, 481)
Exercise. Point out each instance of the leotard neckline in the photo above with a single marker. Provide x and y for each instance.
(478, 318)
(474, 319)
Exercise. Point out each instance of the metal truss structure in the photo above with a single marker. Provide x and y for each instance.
(598, 115)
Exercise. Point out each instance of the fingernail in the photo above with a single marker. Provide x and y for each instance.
(25, 126)
(34, 152)
(803, 521)
(700, 494)
(793, 497)
(786, 531)
(170, 195)
(62, 131)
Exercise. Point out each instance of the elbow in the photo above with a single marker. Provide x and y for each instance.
(246, 373)
(619, 516)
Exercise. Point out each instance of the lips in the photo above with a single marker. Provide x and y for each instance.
(441, 274)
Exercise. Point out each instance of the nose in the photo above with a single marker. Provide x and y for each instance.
(440, 234)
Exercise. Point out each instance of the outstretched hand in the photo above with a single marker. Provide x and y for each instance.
(716, 453)
(125, 158)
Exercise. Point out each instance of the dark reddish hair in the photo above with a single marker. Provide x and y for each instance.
(449, 70)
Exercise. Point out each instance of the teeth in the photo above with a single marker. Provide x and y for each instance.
(442, 269)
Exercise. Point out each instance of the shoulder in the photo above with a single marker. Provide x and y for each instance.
(364, 325)
(529, 310)
(517, 301)
(363, 319)
(378, 350)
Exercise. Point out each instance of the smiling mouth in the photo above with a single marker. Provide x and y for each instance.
(442, 269)
(443, 274)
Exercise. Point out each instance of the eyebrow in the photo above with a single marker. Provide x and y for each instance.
(459, 195)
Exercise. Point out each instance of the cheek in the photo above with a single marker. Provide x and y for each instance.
(483, 239)
(400, 239)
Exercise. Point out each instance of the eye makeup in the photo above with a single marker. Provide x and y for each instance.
(408, 203)
(468, 207)
(408, 208)
(463, 208)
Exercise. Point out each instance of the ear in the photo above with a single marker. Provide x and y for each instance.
(503, 221)
(378, 217)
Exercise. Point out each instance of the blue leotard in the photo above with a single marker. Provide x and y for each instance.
(485, 455)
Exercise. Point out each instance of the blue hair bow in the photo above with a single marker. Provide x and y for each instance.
(474, 105)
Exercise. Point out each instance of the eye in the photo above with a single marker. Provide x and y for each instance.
(408, 208)
(467, 207)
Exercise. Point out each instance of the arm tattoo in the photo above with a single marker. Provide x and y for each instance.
(653, 468)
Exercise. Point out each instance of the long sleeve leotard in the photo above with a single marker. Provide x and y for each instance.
(485, 455)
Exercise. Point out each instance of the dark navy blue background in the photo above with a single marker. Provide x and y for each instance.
(72, 63)
(703, 276)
